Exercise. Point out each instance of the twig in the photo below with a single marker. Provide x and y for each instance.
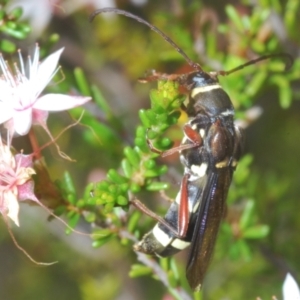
(178, 292)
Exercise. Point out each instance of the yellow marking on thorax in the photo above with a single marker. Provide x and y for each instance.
(203, 89)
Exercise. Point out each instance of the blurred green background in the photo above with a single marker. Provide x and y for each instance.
(114, 52)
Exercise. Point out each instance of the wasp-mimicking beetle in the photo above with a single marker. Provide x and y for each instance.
(209, 153)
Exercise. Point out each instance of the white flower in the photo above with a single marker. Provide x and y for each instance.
(290, 288)
(15, 182)
(21, 102)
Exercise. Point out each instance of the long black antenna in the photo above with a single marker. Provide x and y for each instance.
(194, 65)
(154, 28)
(264, 57)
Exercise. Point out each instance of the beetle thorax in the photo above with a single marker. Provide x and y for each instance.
(206, 96)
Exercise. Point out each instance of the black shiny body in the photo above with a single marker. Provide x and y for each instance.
(208, 170)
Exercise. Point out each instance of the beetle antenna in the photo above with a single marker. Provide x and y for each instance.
(154, 28)
(288, 64)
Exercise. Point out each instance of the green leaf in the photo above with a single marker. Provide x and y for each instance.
(73, 219)
(90, 217)
(100, 242)
(69, 184)
(133, 220)
(174, 268)
(138, 270)
(127, 168)
(150, 164)
(235, 17)
(172, 279)
(242, 172)
(16, 13)
(14, 32)
(100, 100)
(244, 250)
(155, 172)
(101, 233)
(256, 232)
(164, 263)
(256, 83)
(135, 188)
(108, 208)
(157, 186)
(122, 201)
(285, 93)
(245, 219)
(7, 46)
(82, 82)
(114, 176)
(144, 118)
(132, 156)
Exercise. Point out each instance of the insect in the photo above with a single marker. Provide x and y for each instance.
(209, 153)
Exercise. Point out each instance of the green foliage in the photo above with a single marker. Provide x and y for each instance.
(248, 27)
(11, 27)
(139, 167)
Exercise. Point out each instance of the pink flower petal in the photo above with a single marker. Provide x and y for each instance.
(23, 121)
(39, 117)
(24, 160)
(58, 102)
(26, 192)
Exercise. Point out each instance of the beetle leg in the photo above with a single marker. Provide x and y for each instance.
(183, 210)
(152, 75)
(191, 134)
(144, 209)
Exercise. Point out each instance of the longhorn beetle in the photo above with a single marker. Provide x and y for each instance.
(209, 153)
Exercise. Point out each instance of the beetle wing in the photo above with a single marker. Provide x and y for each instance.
(209, 215)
